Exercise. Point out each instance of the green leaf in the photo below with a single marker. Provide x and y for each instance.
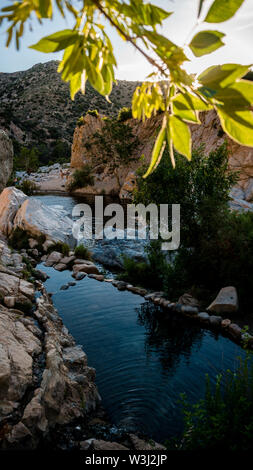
(57, 41)
(222, 75)
(75, 85)
(222, 10)
(45, 8)
(157, 150)
(181, 136)
(237, 96)
(206, 42)
(237, 124)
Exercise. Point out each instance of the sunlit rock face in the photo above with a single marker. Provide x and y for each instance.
(6, 159)
(209, 133)
(17, 211)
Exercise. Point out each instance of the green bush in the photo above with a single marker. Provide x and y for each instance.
(81, 178)
(82, 252)
(147, 273)
(19, 239)
(28, 187)
(60, 247)
(216, 247)
(93, 112)
(124, 114)
(223, 420)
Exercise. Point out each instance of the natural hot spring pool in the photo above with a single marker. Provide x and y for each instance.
(143, 361)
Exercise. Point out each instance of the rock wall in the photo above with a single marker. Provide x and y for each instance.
(6, 159)
(209, 132)
(44, 377)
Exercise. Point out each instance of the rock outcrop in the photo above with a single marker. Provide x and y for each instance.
(209, 133)
(6, 159)
(44, 377)
(17, 211)
(37, 219)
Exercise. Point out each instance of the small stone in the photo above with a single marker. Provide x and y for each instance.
(60, 267)
(189, 310)
(9, 301)
(98, 277)
(137, 290)
(32, 243)
(235, 331)
(72, 284)
(225, 323)
(86, 268)
(203, 317)
(215, 320)
(64, 287)
(79, 276)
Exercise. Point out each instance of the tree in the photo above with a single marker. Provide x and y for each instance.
(88, 55)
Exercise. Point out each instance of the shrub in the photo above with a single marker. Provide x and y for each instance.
(60, 247)
(223, 420)
(82, 252)
(80, 121)
(19, 239)
(124, 114)
(28, 187)
(147, 273)
(81, 178)
(93, 112)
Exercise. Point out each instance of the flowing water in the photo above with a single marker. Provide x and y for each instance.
(144, 359)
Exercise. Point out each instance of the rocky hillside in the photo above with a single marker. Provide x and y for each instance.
(36, 106)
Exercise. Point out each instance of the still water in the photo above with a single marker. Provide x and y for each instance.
(143, 358)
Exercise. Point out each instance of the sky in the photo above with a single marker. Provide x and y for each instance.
(131, 65)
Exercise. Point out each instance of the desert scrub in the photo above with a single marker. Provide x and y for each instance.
(81, 178)
(124, 114)
(93, 112)
(60, 247)
(19, 239)
(28, 187)
(82, 252)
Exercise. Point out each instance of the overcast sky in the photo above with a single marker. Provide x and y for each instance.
(131, 65)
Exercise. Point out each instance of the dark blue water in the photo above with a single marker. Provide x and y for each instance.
(143, 358)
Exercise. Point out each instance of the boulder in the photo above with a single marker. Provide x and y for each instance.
(225, 302)
(54, 258)
(6, 159)
(85, 268)
(60, 267)
(11, 199)
(140, 444)
(37, 219)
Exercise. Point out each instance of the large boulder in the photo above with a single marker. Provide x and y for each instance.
(225, 302)
(6, 159)
(37, 219)
(11, 200)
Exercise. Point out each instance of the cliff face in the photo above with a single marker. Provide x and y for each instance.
(210, 133)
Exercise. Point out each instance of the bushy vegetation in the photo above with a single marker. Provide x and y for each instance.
(93, 112)
(147, 273)
(81, 178)
(60, 247)
(19, 239)
(29, 159)
(223, 419)
(216, 244)
(124, 114)
(28, 187)
(82, 252)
